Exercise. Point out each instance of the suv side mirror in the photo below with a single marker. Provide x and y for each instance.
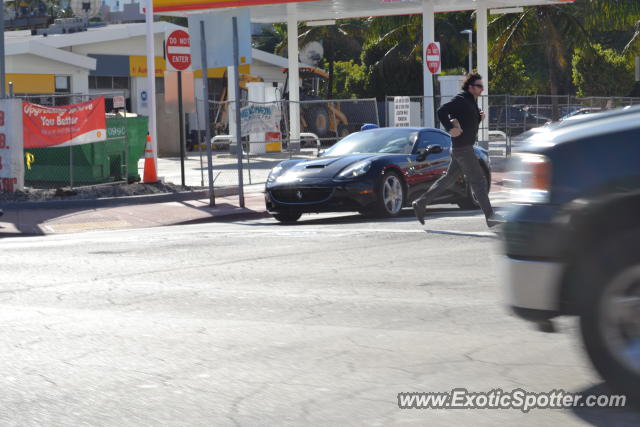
(432, 149)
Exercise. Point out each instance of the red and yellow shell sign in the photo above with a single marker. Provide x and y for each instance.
(184, 5)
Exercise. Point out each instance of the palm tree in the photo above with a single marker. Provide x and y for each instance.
(634, 43)
(272, 39)
(402, 36)
(394, 48)
(559, 29)
(339, 42)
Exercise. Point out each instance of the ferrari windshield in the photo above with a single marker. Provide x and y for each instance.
(389, 140)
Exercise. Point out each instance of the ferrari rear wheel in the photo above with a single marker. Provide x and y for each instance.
(288, 217)
(390, 195)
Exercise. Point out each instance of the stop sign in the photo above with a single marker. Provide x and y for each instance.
(433, 57)
(179, 50)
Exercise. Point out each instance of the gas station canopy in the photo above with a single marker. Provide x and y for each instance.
(294, 11)
(270, 11)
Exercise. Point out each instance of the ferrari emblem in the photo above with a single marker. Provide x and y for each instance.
(299, 195)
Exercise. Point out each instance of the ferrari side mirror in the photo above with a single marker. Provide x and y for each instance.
(432, 149)
(435, 149)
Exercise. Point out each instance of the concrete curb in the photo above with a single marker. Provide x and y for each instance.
(119, 201)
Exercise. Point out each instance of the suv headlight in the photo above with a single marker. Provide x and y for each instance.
(355, 170)
(530, 179)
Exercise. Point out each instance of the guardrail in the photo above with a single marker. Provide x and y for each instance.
(505, 149)
(313, 136)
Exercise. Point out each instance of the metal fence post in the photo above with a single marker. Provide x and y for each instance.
(126, 145)
(70, 160)
(199, 139)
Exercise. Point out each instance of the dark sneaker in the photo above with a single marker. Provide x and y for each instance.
(419, 211)
(495, 219)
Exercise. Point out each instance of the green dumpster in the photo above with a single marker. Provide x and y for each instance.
(96, 163)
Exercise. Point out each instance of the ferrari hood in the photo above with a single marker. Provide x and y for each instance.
(323, 167)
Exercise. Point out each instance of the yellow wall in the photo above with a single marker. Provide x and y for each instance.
(218, 73)
(31, 83)
(138, 66)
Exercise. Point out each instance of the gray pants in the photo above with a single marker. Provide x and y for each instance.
(463, 162)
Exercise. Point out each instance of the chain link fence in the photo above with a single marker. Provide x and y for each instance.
(114, 160)
(511, 116)
(322, 124)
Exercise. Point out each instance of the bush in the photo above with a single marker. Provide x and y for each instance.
(349, 80)
(510, 77)
(602, 72)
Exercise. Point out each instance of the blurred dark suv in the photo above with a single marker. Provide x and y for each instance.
(572, 239)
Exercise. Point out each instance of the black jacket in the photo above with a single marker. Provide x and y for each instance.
(464, 108)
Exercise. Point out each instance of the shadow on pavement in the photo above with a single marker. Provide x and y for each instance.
(481, 234)
(605, 417)
(233, 214)
(406, 216)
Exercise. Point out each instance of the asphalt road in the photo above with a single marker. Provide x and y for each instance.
(256, 323)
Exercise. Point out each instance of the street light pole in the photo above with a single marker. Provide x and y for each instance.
(470, 34)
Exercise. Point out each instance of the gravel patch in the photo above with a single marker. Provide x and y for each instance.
(94, 192)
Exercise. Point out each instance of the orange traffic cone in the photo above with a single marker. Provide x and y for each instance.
(150, 174)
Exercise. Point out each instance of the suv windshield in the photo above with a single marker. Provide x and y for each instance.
(392, 141)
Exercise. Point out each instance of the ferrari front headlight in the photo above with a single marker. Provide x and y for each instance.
(275, 172)
(355, 170)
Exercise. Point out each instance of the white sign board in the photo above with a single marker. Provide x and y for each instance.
(118, 102)
(11, 146)
(260, 118)
(218, 28)
(402, 111)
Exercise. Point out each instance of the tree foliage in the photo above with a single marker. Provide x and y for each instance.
(510, 77)
(349, 79)
(602, 72)
(556, 31)
(530, 52)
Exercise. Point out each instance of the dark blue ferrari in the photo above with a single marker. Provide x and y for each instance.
(376, 171)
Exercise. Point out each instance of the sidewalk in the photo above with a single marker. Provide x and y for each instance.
(74, 219)
(23, 222)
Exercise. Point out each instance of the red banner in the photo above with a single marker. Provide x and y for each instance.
(64, 126)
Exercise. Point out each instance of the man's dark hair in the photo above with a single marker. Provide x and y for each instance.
(470, 79)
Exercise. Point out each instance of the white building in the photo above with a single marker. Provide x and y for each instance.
(110, 61)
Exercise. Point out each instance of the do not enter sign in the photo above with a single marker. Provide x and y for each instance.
(178, 47)
(433, 57)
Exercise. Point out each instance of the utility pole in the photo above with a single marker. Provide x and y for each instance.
(470, 34)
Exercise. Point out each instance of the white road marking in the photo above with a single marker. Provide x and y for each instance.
(267, 226)
(276, 231)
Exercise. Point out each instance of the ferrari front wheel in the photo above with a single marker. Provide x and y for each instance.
(287, 217)
(390, 195)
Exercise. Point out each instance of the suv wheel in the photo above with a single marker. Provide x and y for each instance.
(610, 319)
